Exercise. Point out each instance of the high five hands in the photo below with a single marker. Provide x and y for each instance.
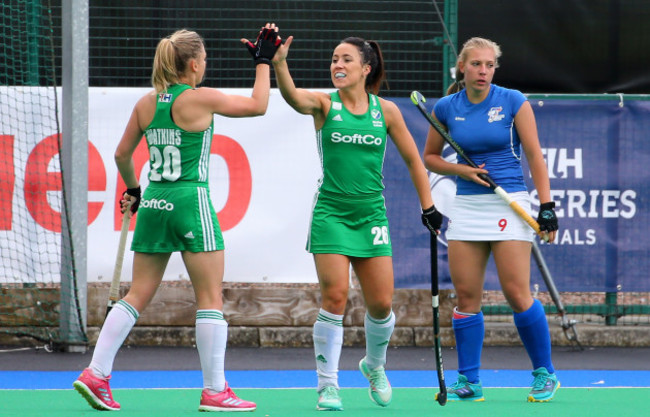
(267, 43)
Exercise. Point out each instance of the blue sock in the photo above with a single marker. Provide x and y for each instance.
(469, 332)
(533, 331)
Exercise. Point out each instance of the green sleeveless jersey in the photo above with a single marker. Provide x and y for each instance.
(176, 154)
(351, 149)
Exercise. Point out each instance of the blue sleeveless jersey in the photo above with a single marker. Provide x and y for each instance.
(487, 134)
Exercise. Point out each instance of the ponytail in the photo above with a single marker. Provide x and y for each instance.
(172, 56)
(458, 84)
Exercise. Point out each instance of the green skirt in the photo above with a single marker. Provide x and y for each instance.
(176, 218)
(349, 225)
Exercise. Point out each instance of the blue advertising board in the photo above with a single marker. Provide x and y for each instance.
(597, 153)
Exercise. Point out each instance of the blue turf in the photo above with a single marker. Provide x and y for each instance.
(307, 379)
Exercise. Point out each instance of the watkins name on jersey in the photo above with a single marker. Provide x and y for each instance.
(164, 137)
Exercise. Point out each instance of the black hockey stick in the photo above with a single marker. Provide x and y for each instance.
(441, 396)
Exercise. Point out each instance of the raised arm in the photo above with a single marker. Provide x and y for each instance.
(267, 43)
(303, 101)
(231, 105)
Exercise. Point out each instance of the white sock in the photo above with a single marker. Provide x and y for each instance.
(116, 328)
(211, 338)
(328, 341)
(378, 333)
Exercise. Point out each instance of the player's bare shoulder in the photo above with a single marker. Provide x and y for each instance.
(147, 101)
(320, 112)
(391, 112)
(323, 96)
(387, 105)
(202, 96)
(145, 108)
(324, 99)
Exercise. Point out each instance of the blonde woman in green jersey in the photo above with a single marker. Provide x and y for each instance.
(176, 213)
(349, 224)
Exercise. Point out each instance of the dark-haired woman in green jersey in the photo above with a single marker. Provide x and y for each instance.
(349, 224)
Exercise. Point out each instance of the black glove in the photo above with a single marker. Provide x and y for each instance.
(546, 218)
(137, 193)
(265, 46)
(432, 219)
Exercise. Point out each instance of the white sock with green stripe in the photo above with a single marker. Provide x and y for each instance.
(378, 333)
(116, 328)
(211, 338)
(328, 341)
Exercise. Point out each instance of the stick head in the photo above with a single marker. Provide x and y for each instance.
(442, 398)
(417, 98)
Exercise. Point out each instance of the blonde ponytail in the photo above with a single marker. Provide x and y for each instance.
(172, 55)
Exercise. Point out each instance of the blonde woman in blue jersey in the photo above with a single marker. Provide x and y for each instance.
(176, 213)
(349, 225)
(492, 125)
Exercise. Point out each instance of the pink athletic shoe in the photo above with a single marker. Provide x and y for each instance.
(96, 391)
(225, 400)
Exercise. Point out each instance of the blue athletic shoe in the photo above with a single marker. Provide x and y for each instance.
(463, 390)
(544, 386)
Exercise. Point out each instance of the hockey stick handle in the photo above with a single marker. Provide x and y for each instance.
(435, 291)
(518, 209)
(114, 292)
(418, 99)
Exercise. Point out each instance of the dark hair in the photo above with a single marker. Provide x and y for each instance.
(370, 55)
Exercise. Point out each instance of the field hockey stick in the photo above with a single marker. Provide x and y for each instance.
(418, 99)
(568, 326)
(441, 396)
(114, 292)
